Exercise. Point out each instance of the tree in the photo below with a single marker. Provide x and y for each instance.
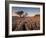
(25, 15)
(20, 13)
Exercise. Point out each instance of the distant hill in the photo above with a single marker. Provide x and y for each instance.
(37, 15)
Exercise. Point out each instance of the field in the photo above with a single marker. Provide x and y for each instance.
(25, 23)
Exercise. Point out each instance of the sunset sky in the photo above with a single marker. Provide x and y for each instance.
(30, 10)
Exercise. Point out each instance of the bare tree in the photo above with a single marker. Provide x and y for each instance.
(25, 15)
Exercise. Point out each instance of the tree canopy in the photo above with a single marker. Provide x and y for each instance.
(20, 12)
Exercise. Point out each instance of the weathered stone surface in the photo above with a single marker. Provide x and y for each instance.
(27, 23)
